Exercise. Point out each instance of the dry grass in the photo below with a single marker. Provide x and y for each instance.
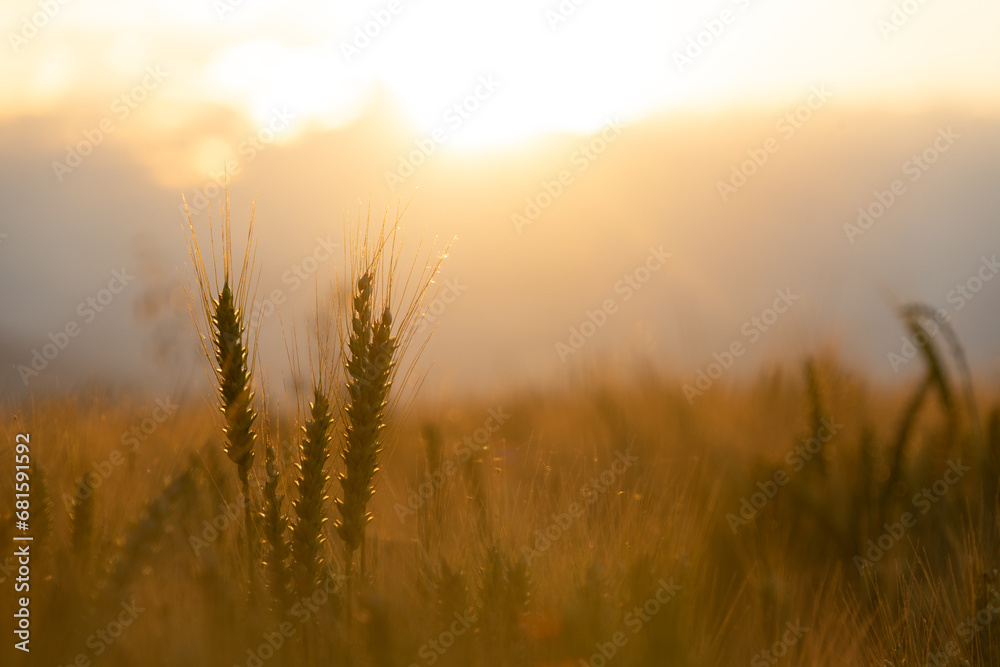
(664, 518)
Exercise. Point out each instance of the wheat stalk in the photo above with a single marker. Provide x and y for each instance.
(83, 520)
(234, 384)
(815, 407)
(503, 593)
(225, 340)
(936, 377)
(376, 326)
(371, 347)
(42, 503)
(452, 593)
(237, 406)
(431, 514)
(275, 525)
(143, 535)
(310, 507)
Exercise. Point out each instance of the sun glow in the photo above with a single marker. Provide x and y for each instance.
(487, 75)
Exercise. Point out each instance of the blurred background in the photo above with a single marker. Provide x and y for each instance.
(843, 154)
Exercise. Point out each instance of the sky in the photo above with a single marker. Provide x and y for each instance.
(557, 144)
(565, 66)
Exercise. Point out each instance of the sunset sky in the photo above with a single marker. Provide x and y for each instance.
(111, 111)
(557, 66)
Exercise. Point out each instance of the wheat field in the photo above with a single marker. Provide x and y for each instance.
(806, 517)
(535, 333)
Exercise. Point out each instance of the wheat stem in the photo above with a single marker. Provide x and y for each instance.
(275, 526)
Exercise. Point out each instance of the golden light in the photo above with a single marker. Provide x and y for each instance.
(486, 75)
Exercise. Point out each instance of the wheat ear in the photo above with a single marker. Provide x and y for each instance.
(310, 507)
(237, 405)
(225, 341)
(234, 384)
(370, 347)
(376, 323)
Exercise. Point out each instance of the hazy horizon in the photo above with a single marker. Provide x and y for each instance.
(567, 142)
(524, 283)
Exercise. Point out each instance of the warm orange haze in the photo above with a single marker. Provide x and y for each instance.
(420, 332)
